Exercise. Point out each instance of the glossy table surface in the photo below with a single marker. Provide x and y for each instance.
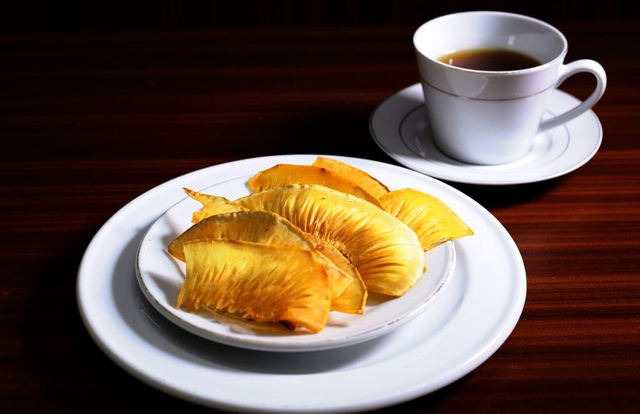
(89, 122)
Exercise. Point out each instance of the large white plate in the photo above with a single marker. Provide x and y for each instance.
(399, 127)
(161, 278)
(472, 318)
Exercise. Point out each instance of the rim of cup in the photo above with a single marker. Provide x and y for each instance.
(420, 33)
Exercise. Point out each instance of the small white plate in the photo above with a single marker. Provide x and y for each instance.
(161, 277)
(399, 127)
(471, 319)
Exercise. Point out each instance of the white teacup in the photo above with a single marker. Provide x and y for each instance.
(491, 117)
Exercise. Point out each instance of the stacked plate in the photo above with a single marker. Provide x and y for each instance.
(456, 317)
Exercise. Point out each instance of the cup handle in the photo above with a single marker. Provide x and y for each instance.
(570, 69)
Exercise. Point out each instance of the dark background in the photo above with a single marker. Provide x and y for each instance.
(101, 101)
(31, 16)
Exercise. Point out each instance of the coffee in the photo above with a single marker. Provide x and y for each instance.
(489, 59)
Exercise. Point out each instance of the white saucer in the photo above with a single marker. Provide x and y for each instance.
(399, 127)
(161, 277)
(471, 319)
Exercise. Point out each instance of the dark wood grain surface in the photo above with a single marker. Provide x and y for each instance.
(89, 120)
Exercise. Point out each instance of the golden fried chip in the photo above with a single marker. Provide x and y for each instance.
(286, 174)
(262, 227)
(386, 252)
(429, 217)
(259, 282)
(346, 171)
(211, 205)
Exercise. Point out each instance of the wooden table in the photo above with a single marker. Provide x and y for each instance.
(90, 121)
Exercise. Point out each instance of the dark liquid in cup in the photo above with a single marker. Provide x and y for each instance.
(489, 59)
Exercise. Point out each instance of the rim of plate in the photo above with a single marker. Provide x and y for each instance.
(160, 277)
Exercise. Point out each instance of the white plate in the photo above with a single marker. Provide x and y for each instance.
(161, 277)
(472, 318)
(399, 127)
